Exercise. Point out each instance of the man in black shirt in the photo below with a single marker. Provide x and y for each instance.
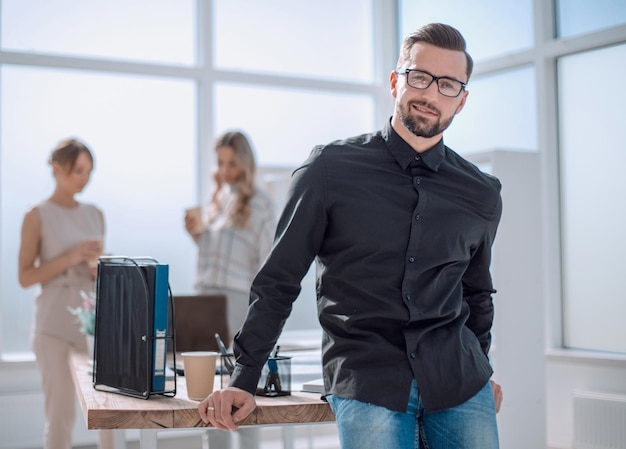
(401, 229)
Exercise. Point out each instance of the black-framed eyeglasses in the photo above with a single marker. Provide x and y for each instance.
(422, 80)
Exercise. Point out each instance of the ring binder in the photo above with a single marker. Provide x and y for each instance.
(133, 307)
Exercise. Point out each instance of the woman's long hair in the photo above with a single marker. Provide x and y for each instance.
(239, 214)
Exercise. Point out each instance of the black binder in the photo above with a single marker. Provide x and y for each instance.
(132, 332)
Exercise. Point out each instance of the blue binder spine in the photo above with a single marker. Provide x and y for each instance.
(161, 304)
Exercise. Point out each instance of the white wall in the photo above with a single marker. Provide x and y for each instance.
(518, 341)
(568, 372)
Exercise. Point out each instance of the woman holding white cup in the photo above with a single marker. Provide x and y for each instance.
(234, 236)
(61, 238)
(236, 233)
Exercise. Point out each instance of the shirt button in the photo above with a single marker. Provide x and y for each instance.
(417, 158)
(418, 181)
(407, 297)
(417, 217)
(411, 259)
(412, 355)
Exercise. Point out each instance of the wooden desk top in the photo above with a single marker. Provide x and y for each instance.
(104, 410)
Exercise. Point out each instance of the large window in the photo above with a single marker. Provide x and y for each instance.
(576, 17)
(489, 122)
(320, 39)
(593, 213)
(312, 112)
(136, 83)
(141, 131)
(158, 31)
(492, 28)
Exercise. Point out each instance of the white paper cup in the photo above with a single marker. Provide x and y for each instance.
(195, 214)
(199, 369)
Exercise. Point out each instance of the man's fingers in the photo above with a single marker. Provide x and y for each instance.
(497, 395)
(235, 406)
(217, 409)
(203, 410)
(245, 410)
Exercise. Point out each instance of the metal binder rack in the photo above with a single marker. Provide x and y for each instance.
(134, 312)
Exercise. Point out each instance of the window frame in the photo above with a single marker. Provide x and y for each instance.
(206, 76)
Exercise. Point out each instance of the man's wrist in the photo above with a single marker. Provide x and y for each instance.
(245, 377)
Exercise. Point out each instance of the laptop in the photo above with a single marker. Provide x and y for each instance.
(197, 318)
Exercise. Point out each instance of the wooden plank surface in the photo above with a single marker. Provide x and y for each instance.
(104, 410)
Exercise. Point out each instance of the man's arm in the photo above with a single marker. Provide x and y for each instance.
(477, 283)
(299, 235)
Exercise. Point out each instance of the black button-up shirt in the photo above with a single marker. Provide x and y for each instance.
(402, 243)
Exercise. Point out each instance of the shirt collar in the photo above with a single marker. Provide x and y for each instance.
(405, 154)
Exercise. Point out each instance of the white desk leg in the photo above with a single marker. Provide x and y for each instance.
(119, 439)
(148, 438)
(310, 434)
(111, 439)
(287, 437)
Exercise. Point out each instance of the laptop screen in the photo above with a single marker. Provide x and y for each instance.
(197, 319)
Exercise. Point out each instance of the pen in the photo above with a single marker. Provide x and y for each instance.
(226, 357)
(272, 383)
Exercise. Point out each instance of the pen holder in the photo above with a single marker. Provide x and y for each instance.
(275, 377)
(226, 360)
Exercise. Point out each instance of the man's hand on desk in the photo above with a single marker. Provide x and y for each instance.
(217, 408)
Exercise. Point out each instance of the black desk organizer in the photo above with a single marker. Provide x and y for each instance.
(275, 377)
(134, 312)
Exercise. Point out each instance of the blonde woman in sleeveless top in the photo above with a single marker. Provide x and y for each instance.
(59, 237)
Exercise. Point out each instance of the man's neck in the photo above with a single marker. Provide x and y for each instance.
(419, 144)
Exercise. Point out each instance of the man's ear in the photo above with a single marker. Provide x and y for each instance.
(461, 105)
(393, 82)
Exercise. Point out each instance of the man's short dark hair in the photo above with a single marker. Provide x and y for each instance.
(440, 35)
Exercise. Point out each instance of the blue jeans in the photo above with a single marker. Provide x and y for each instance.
(471, 425)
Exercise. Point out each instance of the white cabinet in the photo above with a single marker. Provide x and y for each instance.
(518, 352)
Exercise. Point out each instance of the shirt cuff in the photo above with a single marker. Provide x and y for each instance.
(245, 377)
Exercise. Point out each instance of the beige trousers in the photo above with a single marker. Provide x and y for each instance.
(53, 361)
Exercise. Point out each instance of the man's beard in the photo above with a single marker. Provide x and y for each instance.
(420, 126)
